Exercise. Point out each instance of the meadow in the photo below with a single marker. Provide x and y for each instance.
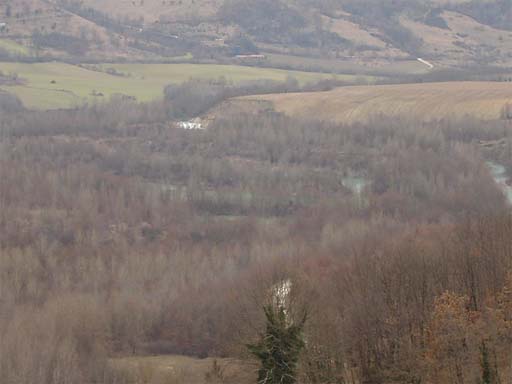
(424, 102)
(14, 48)
(57, 85)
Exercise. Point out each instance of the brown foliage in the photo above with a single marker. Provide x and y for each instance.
(120, 234)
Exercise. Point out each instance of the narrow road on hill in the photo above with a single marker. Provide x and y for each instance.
(427, 63)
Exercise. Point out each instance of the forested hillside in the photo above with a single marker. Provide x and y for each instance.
(368, 32)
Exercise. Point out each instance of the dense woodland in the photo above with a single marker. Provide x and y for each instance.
(121, 234)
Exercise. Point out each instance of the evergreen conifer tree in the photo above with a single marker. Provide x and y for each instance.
(279, 347)
(487, 373)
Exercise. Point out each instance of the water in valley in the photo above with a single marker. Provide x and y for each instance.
(499, 173)
(355, 184)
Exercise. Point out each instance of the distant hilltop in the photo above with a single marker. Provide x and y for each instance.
(282, 32)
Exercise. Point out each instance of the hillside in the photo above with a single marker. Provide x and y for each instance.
(368, 33)
(157, 10)
(41, 29)
(426, 102)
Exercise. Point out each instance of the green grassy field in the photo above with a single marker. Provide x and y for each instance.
(60, 85)
(14, 48)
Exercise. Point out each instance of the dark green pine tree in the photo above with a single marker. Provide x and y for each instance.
(487, 373)
(279, 347)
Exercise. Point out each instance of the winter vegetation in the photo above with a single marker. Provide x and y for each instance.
(255, 192)
(127, 242)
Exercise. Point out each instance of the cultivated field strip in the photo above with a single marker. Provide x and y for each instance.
(427, 102)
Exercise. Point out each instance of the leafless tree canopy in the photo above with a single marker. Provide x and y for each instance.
(122, 234)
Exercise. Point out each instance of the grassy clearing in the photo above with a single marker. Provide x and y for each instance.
(42, 98)
(14, 48)
(425, 102)
(59, 85)
(181, 369)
